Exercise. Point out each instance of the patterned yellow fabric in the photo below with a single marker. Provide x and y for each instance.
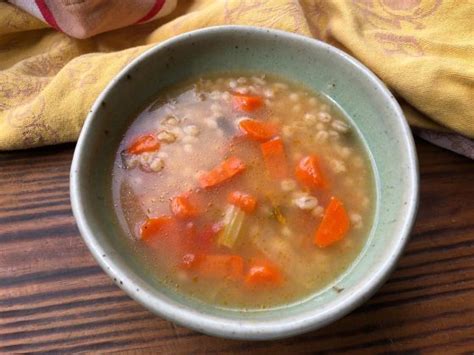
(422, 49)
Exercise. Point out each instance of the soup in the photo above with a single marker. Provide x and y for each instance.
(244, 191)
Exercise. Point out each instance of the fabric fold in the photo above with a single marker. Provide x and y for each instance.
(422, 49)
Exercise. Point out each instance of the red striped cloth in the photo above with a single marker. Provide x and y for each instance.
(86, 18)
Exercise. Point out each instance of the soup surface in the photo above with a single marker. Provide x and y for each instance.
(244, 191)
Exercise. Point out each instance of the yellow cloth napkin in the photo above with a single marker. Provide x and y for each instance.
(422, 49)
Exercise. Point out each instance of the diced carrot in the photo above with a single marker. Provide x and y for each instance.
(247, 103)
(189, 230)
(275, 159)
(257, 130)
(205, 238)
(182, 207)
(158, 228)
(199, 241)
(334, 225)
(145, 143)
(308, 172)
(223, 172)
(244, 201)
(221, 266)
(188, 237)
(263, 272)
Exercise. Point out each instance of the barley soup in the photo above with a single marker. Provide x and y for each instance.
(244, 191)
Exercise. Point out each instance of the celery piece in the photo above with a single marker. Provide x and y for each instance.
(233, 220)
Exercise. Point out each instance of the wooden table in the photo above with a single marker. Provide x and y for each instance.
(54, 297)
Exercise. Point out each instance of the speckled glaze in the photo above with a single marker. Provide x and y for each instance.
(360, 93)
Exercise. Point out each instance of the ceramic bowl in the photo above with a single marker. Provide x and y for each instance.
(371, 107)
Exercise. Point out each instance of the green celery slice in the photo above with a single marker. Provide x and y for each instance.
(233, 221)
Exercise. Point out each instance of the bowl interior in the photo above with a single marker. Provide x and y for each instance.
(316, 65)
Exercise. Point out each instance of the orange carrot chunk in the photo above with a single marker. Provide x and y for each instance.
(244, 201)
(158, 227)
(334, 226)
(247, 103)
(256, 130)
(263, 272)
(308, 172)
(275, 159)
(183, 208)
(221, 266)
(223, 172)
(199, 240)
(142, 144)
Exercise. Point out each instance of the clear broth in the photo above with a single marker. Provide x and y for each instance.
(308, 124)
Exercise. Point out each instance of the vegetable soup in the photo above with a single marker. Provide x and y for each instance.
(244, 191)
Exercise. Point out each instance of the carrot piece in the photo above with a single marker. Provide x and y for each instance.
(183, 208)
(221, 266)
(189, 232)
(247, 103)
(142, 144)
(308, 172)
(263, 272)
(275, 159)
(202, 240)
(334, 226)
(223, 172)
(244, 201)
(256, 130)
(154, 228)
(205, 238)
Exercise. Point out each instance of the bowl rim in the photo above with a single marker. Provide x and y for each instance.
(231, 328)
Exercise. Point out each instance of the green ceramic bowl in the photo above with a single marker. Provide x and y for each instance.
(372, 109)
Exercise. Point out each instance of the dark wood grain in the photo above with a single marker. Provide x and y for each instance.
(54, 297)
